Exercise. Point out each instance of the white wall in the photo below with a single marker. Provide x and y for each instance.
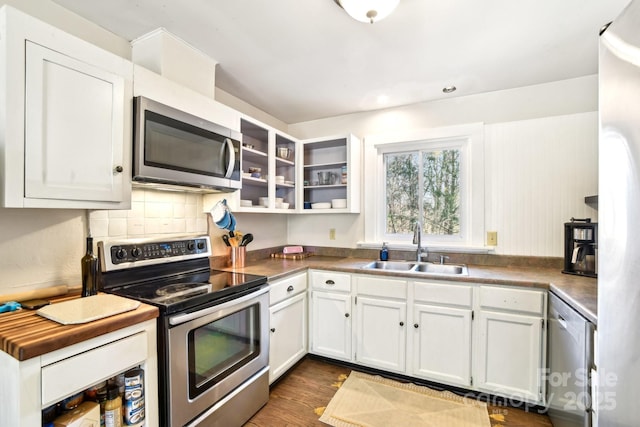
(541, 161)
(537, 174)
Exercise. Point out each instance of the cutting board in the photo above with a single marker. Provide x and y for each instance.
(87, 309)
(301, 255)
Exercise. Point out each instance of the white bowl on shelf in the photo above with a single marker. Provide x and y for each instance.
(246, 203)
(263, 201)
(279, 200)
(323, 205)
(338, 203)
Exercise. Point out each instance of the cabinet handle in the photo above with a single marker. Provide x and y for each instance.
(330, 282)
(290, 288)
(119, 169)
(273, 329)
(415, 325)
(401, 323)
(346, 315)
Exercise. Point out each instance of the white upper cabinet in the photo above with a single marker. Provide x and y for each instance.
(331, 175)
(65, 119)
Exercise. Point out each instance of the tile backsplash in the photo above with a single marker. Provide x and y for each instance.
(153, 213)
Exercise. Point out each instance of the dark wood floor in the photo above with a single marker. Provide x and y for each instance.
(296, 399)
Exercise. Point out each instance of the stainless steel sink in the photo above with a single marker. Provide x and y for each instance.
(390, 265)
(453, 269)
(418, 268)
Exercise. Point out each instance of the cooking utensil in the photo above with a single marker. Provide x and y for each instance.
(246, 239)
(225, 239)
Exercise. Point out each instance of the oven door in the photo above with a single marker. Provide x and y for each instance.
(213, 351)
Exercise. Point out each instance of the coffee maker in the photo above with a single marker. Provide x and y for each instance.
(581, 247)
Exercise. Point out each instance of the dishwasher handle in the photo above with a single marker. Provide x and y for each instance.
(562, 322)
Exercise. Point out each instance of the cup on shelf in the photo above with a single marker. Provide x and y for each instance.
(255, 172)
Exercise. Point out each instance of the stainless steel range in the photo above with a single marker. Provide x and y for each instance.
(213, 340)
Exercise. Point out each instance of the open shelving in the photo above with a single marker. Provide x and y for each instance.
(339, 157)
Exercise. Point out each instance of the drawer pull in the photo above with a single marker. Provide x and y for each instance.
(346, 315)
(273, 329)
(330, 282)
(401, 323)
(290, 288)
(415, 325)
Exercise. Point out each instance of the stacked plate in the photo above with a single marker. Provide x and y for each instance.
(320, 205)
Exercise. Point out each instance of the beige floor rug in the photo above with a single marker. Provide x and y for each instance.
(372, 401)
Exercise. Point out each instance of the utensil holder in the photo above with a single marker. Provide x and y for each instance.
(237, 255)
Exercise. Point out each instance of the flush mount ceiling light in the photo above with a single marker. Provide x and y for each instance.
(369, 11)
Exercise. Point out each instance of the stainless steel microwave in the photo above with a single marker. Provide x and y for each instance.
(172, 147)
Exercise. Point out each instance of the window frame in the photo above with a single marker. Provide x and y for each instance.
(470, 139)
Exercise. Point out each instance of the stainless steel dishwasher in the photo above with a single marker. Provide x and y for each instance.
(570, 347)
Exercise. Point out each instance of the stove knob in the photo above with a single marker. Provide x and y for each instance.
(201, 245)
(121, 253)
(191, 246)
(135, 252)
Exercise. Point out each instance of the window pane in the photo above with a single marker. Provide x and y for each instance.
(441, 197)
(402, 204)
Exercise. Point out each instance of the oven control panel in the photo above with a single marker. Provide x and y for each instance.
(117, 255)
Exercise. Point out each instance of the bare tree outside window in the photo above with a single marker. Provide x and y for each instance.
(426, 185)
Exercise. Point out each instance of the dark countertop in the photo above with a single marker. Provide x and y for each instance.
(579, 292)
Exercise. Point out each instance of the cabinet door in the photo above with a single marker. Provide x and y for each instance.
(288, 334)
(510, 355)
(73, 129)
(331, 324)
(381, 333)
(442, 344)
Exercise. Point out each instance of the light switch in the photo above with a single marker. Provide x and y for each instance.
(492, 238)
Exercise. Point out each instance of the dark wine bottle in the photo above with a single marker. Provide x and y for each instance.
(89, 263)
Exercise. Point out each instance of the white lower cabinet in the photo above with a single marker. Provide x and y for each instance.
(442, 325)
(380, 322)
(331, 314)
(442, 344)
(31, 385)
(480, 337)
(288, 324)
(510, 358)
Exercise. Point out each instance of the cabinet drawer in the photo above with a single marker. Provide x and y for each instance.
(287, 287)
(380, 286)
(331, 280)
(76, 373)
(521, 300)
(444, 294)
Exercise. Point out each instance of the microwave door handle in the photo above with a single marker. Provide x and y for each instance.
(228, 144)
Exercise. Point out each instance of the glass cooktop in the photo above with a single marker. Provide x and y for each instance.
(189, 291)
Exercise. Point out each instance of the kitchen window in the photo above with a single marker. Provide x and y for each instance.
(435, 177)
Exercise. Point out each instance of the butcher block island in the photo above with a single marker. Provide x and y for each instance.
(44, 362)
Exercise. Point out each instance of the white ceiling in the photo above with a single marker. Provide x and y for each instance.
(301, 60)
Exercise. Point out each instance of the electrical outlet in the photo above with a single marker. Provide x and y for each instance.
(332, 234)
(492, 238)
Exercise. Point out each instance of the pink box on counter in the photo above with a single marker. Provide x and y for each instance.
(292, 250)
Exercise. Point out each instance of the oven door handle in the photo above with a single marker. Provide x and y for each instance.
(186, 317)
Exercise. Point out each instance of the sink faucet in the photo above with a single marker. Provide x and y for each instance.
(417, 240)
